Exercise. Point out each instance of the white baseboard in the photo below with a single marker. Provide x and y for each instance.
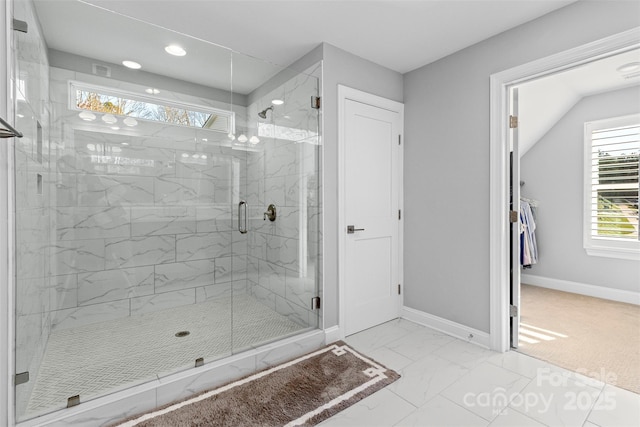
(457, 330)
(619, 295)
(332, 334)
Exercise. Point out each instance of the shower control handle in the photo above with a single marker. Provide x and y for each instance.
(270, 213)
(352, 229)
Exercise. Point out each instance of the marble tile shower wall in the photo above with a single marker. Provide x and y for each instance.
(283, 255)
(142, 221)
(31, 80)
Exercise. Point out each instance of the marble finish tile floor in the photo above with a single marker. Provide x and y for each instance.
(449, 382)
(97, 359)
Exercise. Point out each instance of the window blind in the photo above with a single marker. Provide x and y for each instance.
(615, 183)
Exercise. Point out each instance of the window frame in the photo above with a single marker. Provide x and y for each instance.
(74, 85)
(610, 247)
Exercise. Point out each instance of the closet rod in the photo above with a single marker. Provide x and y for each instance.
(8, 131)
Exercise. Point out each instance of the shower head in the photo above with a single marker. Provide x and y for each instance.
(263, 114)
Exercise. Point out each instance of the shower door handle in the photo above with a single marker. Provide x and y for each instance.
(240, 206)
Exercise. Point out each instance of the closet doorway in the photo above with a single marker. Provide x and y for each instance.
(574, 263)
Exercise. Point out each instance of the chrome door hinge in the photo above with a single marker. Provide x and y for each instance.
(21, 378)
(513, 122)
(316, 102)
(399, 214)
(315, 303)
(513, 216)
(399, 289)
(513, 311)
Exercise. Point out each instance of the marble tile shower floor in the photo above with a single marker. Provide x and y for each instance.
(101, 358)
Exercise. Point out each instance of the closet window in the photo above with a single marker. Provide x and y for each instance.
(612, 148)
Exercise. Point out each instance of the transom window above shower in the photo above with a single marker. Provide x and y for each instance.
(121, 108)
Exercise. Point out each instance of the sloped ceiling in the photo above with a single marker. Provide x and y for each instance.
(544, 101)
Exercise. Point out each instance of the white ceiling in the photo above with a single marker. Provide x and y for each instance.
(398, 34)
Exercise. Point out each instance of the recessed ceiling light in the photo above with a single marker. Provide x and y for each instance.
(125, 143)
(629, 68)
(277, 101)
(185, 155)
(132, 64)
(175, 50)
(152, 91)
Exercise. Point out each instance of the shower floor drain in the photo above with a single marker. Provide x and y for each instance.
(182, 334)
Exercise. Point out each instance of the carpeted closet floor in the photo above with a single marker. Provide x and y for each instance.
(592, 336)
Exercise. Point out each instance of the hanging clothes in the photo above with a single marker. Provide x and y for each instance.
(528, 245)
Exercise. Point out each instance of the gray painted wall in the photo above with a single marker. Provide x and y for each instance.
(553, 174)
(446, 182)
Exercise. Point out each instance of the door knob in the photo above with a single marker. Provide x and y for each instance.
(352, 229)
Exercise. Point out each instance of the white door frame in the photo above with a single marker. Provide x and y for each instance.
(347, 93)
(499, 164)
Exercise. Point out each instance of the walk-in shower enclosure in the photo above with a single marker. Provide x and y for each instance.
(161, 222)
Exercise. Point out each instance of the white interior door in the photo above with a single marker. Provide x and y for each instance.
(515, 226)
(372, 182)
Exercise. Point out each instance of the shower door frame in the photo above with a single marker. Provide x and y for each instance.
(254, 212)
(7, 230)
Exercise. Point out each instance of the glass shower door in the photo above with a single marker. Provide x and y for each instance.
(123, 206)
(280, 281)
(144, 203)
